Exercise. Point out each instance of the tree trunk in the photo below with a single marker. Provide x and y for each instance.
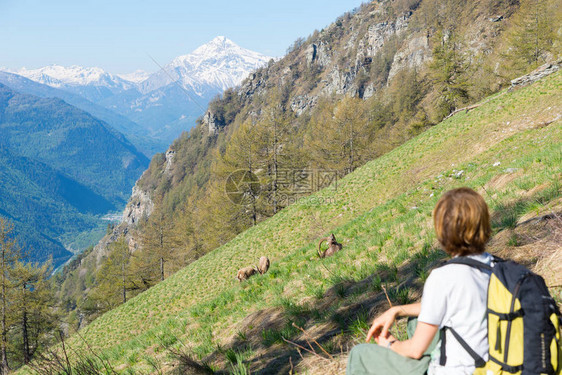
(162, 269)
(25, 334)
(4, 368)
(350, 160)
(536, 32)
(123, 275)
(275, 171)
(250, 188)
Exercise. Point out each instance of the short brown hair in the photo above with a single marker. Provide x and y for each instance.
(462, 222)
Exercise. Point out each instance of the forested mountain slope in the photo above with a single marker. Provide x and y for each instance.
(508, 149)
(62, 169)
(349, 93)
(401, 66)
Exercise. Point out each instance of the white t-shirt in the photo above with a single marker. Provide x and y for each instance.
(455, 296)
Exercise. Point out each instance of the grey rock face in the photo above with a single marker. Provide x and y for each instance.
(318, 54)
(369, 91)
(140, 205)
(311, 54)
(323, 54)
(414, 55)
(339, 82)
(496, 19)
(252, 85)
(301, 103)
(380, 32)
(211, 121)
(536, 74)
(169, 160)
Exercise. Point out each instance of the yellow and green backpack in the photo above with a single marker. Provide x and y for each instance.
(524, 333)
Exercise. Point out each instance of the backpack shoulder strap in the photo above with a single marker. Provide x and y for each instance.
(478, 361)
(470, 262)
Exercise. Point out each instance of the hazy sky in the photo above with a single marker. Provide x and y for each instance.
(117, 35)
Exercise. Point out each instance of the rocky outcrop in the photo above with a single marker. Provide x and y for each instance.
(102, 247)
(369, 91)
(522, 81)
(254, 84)
(169, 160)
(339, 82)
(342, 80)
(380, 32)
(211, 121)
(140, 206)
(311, 52)
(301, 103)
(412, 56)
(536, 74)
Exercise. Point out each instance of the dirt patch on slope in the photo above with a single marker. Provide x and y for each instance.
(535, 242)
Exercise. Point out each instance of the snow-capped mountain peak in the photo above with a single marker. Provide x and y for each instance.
(216, 65)
(57, 75)
(136, 76)
(217, 44)
(220, 63)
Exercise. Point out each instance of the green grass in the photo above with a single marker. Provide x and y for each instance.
(381, 213)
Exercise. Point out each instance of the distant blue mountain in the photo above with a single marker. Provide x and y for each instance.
(137, 134)
(60, 170)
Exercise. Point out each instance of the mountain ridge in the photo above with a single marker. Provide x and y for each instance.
(58, 76)
(133, 131)
(166, 102)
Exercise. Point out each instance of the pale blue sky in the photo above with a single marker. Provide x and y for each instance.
(117, 35)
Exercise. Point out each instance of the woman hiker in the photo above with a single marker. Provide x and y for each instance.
(453, 296)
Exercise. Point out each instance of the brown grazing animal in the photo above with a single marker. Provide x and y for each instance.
(333, 246)
(245, 273)
(263, 265)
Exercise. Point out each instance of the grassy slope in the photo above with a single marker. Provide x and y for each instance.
(382, 212)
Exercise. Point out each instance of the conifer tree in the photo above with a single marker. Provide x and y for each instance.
(159, 244)
(533, 35)
(9, 254)
(187, 237)
(279, 151)
(220, 219)
(33, 302)
(242, 155)
(447, 71)
(274, 128)
(340, 135)
(114, 274)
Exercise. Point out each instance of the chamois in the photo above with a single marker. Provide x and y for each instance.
(334, 246)
(245, 273)
(263, 265)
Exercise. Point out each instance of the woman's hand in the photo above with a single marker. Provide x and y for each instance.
(381, 325)
(384, 341)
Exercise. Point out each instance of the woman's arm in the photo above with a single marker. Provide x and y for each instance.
(411, 310)
(414, 347)
(382, 323)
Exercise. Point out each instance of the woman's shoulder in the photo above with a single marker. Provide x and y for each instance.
(451, 272)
